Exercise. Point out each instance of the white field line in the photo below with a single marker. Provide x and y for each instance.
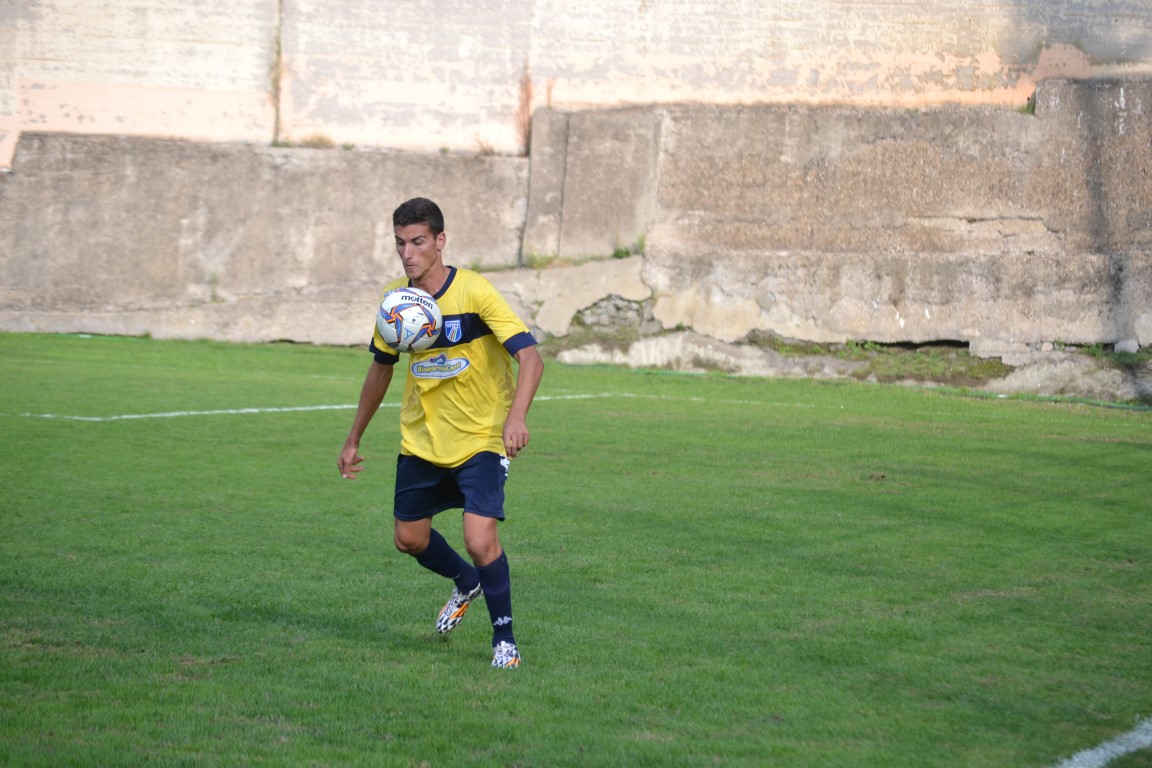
(247, 411)
(178, 414)
(307, 408)
(1136, 739)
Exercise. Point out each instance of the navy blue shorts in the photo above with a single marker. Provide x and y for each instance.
(424, 489)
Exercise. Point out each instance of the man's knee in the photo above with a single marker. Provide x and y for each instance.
(481, 541)
(410, 542)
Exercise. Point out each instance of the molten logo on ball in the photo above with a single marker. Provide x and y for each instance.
(409, 320)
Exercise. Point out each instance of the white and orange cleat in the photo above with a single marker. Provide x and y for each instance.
(505, 655)
(454, 610)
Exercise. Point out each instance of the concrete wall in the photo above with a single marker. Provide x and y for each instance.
(827, 223)
(195, 69)
(983, 225)
(422, 75)
(182, 239)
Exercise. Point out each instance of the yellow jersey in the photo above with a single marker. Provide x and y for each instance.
(458, 391)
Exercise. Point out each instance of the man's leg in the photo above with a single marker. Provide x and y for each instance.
(423, 542)
(483, 544)
(419, 539)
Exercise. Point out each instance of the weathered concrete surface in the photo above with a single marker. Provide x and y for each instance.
(423, 75)
(549, 168)
(692, 352)
(835, 223)
(1144, 329)
(1075, 375)
(552, 298)
(336, 315)
(178, 239)
(829, 297)
(194, 70)
(593, 182)
(610, 181)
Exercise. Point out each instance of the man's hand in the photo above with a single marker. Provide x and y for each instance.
(349, 462)
(371, 393)
(530, 369)
(515, 436)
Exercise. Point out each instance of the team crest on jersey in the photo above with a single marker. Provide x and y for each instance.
(452, 330)
(439, 367)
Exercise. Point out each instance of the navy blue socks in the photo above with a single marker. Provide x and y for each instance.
(494, 578)
(439, 557)
(497, 585)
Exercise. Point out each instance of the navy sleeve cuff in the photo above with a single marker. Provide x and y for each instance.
(383, 356)
(518, 342)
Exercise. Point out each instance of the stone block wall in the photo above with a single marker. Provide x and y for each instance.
(187, 239)
(980, 225)
(422, 75)
(828, 223)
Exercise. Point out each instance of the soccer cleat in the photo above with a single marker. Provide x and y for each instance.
(454, 610)
(505, 655)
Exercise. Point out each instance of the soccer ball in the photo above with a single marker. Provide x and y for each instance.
(409, 320)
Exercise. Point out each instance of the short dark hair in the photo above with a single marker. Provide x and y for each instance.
(419, 210)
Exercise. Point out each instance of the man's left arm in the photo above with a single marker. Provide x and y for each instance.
(530, 368)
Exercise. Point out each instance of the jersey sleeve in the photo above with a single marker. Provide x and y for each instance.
(505, 324)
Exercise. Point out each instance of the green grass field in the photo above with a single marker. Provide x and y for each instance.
(706, 571)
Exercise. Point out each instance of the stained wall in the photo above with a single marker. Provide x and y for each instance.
(428, 76)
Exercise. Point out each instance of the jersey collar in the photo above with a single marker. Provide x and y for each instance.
(447, 282)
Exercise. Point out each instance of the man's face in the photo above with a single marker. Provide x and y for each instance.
(419, 250)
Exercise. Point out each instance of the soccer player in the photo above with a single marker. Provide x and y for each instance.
(462, 418)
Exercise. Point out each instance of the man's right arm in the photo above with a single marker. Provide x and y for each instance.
(371, 394)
